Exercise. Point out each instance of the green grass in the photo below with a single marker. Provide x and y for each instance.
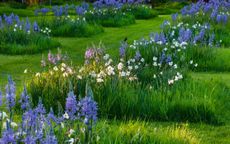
(193, 133)
(145, 132)
(223, 101)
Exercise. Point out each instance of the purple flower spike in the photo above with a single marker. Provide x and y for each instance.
(174, 16)
(8, 136)
(71, 105)
(40, 108)
(123, 49)
(50, 138)
(89, 54)
(0, 98)
(51, 117)
(35, 26)
(27, 26)
(44, 11)
(10, 93)
(79, 10)
(29, 139)
(25, 102)
(138, 55)
(88, 110)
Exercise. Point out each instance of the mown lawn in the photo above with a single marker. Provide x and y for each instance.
(217, 71)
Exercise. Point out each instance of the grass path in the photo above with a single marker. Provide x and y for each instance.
(75, 47)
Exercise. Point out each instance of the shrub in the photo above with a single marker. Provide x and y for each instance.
(216, 16)
(109, 17)
(140, 11)
(53, 84)
(119, 91)
(64, 25)
(27, 44)
(78, 28)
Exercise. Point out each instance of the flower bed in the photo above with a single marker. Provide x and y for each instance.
(23, 37)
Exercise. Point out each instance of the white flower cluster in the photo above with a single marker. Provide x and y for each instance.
(175, 52)
(176, 78)
(46, 31)
(104, 11)
(72, 20)
(4, 119)
(106, 69)
(63, 70)
(127, 71)
(16, 27)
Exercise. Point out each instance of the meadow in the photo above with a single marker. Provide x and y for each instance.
(115, 72)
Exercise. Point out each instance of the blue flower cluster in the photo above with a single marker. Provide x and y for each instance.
(36, 126)
(82, 9)
(13, 22)
(217, 10)
(198, 23)
(56, 10)
(114, 3)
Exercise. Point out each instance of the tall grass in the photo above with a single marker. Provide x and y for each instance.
(186, 101)
(21, 42)
(71, 27)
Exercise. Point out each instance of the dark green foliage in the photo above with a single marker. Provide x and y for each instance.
(219, 62)
(202, 55)
(169, 7)
(223, 34)
(186, 101)
(140, 11)
(157, 2)
(78, 30)
(17, 5)
(110, 18)
(71, 27)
